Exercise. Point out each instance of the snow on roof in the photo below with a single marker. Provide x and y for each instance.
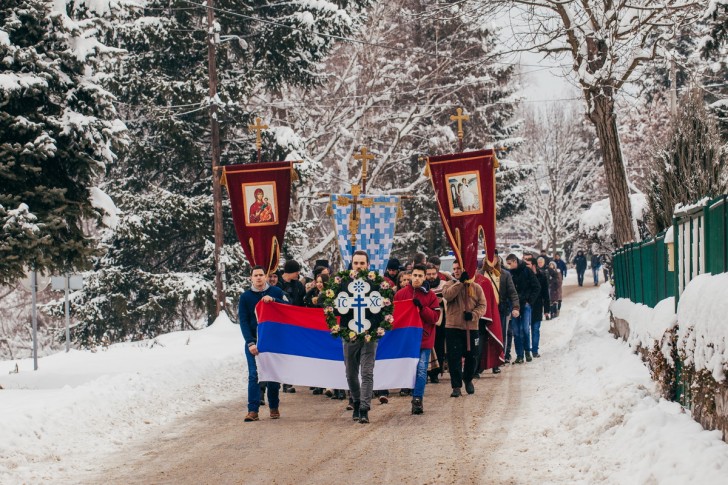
(684, 209)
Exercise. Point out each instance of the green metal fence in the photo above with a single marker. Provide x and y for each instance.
(698, 240)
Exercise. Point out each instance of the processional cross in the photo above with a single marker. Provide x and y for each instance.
(258, 127)
(356, 191)
(460, 117)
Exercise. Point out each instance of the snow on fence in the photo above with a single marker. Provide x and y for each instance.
(660, 267)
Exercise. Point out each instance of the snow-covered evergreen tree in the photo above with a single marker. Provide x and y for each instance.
(157, 272)
(58, 131)
(692, 165)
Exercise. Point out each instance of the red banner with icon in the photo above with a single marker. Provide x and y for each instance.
(464, 186)
(260, 196)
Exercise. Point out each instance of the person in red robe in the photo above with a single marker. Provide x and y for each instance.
(491, 333)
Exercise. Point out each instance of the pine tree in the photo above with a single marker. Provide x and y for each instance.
(692, 165)
(58, 131)
(157, 272)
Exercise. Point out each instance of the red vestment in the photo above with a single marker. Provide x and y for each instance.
(492, 355)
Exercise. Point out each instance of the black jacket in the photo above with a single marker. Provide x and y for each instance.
(542, 302)
(526, 283)
(580, 263)
(294, 290)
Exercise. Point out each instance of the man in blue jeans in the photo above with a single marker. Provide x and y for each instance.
(596, 264)
(260, 290)
(528, 289)
(429, 309)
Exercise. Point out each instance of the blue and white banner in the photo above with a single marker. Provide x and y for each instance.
(375, 226)
(296, 348)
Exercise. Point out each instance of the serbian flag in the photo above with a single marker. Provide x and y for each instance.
(296, 348)
(260, 196)
(464, 186)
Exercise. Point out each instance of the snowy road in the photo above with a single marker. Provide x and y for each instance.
(586, 412)
(170, 411)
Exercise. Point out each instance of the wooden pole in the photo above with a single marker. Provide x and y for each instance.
(215, 140)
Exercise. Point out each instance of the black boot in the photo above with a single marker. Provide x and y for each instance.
(363, 415)
(357, 412)
(417, 406)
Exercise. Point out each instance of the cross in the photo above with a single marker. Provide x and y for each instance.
(258, 127)
(364, 157)
(359, 301)
(460, 117)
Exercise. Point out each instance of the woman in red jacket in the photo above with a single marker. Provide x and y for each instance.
(429, 309)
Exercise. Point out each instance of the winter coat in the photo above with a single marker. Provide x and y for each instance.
(294, 290)
(458, 300)
(526, 284)
(246, 310)
(542, 303)
(580, 263)
(429, 313)
(561, 265)
(310, 295)
(508, 295)
(596, 261)
(555, 283)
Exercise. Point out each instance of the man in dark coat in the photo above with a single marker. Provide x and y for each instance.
(596, 264)
(541, 306)
(560, 264)
(294, 291)
(580, 263)
(528, 289)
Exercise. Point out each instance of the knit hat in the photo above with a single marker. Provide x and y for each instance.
(393, 264)
(291, 266)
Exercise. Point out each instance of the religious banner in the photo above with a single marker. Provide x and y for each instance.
(260, 196)
(365, 222)
(464, 186)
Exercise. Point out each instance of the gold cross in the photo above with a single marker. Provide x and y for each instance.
(460, 118)
(258, 127)
(363, 157)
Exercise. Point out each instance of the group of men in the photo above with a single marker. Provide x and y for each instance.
(454, 309)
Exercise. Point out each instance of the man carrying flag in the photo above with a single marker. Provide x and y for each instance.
(260, 290)
(429, 310)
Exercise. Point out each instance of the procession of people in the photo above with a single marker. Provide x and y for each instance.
(457, 313)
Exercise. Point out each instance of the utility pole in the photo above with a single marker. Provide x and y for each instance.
(215, 132)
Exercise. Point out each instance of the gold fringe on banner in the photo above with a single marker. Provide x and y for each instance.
(329, 209)
(427, 169)
(223, 179)
(400, 211)
(294, 174)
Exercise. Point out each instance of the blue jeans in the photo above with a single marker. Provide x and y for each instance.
(522, 331)
(507, 335)
(596, 275)
(254, 388)
(421, 378)
(535, 336)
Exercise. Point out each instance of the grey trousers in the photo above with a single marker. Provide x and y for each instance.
(360, 355)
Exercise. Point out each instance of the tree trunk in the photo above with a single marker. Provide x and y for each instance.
(601, 113)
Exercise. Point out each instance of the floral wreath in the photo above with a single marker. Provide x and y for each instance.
(381, 322)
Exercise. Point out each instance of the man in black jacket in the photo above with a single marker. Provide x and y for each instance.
(294, 291)
(528, 290)
(580, 263)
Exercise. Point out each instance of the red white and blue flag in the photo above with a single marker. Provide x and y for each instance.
(296, 348)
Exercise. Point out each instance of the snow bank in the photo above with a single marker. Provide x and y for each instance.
(81, 405)
(703, 329)
(647, 325)
(593, 414)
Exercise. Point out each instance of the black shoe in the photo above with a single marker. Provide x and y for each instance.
(364, 416)
(357, 413)
(469, 387)
(537, 355)
(528, 357)
(339, 394)
(496, 370)
(287, 388)
(434, 379)
(456, 392)
(519, 360)
(476, 375)
(383, 399)
(318, 391)
(405, 392)
(417, 406)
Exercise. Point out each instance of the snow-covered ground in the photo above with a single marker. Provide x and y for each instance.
(594, 414)
(590, 412)
(82, 406)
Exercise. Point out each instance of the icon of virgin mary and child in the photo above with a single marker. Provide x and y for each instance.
(261, 210)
